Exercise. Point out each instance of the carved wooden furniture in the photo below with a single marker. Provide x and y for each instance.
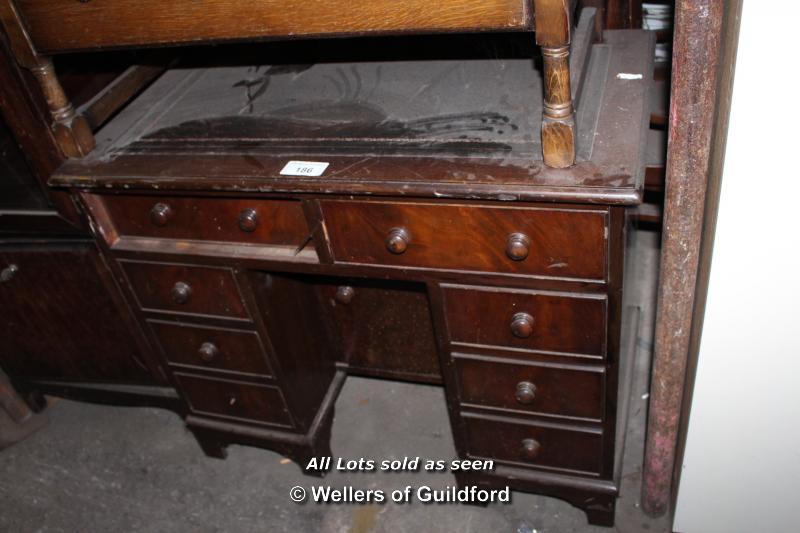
(277, 227)
(38, 28)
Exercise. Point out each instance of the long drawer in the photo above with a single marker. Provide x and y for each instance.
(544, 242)
(214, 348)
(248, 221)
(188, 289)
(529, 387)
(235, 400)
(527, 443)
(534, 320)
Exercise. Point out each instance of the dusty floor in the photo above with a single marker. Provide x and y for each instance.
(102, 469)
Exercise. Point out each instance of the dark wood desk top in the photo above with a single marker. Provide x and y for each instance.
(454, 129)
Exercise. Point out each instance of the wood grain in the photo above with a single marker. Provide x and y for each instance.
(563, 243)
(62, 25)
(238, 350)
(280, 222)
(568, 324)
(213, 290)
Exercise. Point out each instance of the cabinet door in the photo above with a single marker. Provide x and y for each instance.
(58, 321)
(19, 189)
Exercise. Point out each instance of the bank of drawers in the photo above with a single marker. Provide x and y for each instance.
(529, 367)
(222, 371)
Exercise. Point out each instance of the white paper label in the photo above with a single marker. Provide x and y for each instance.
(304, 168)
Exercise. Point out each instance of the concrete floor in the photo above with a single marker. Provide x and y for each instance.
(101, 469)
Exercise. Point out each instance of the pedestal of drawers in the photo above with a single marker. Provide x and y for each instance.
(252, 303)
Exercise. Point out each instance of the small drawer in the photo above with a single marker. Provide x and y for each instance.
(177, 288)
(217, 348)
(249, 221)
(533, 388)
(233, 399)
(544, 242)
(548, 446)
(543, 321)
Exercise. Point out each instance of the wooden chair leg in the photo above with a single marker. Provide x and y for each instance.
(72, 132)
(553, 28)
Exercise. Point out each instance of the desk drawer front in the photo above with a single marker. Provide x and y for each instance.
(233, 399)
(215, 348)
(552, 390)
(553, 322)
(185, 289)
(529, 444)
(561, 243)
(250, 221)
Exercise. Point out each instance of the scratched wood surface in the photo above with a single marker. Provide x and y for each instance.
(61, 25)
(443, 128)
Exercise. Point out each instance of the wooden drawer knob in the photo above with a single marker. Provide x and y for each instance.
(522, 325)
(526, 392)
(248, 220)
(8, 273)
(345, 294)
(208, 351)
(160, 214)
(181, 292)
(530, 448)
(397, 240)
(518, 246)
(232, 400)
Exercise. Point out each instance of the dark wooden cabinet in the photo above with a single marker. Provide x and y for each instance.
(58, 322)
(274, 228)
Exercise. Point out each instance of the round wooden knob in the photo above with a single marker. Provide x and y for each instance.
(518, 246)
(526, 392)
(522, 325)
(181, 292)
(248, 220)
(397, 240)
(160, 214)
(8, 273)
(344, 294)
(530, 448)
(208, 351)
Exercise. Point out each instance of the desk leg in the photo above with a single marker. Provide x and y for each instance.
(553, 28)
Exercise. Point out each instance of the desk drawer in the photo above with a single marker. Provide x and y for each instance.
(176, 288)
(544, 321)
(564, 243)
(250, 221)
(216, 348)
(234, 399)
(549, 446)
(529, 387)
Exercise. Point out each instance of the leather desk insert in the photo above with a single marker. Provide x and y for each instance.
(440, 250)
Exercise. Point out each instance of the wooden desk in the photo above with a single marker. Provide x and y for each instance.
(436, 245)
